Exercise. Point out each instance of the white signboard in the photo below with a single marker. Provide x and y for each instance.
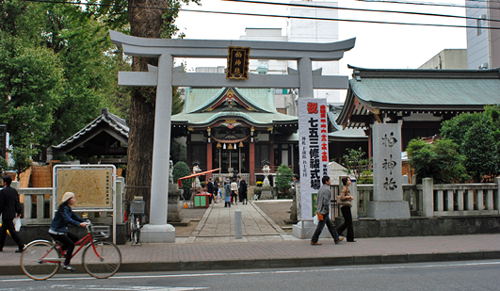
(313, 147)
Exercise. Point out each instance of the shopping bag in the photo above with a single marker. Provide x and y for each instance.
(17, 224)
(315, 219)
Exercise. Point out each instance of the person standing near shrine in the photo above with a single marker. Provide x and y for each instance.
(216, 188)
(242, 192)
(323, 209)
(234, 191)
(227, 198)
(210, 190)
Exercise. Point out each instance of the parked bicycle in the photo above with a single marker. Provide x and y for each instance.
(41, 259)
(135, 219)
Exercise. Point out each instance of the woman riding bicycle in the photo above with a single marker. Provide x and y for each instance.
(59, 227)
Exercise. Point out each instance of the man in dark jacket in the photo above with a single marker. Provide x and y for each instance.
(8, 198)
(210, 190)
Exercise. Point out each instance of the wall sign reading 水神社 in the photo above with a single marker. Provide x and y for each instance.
(313, 151)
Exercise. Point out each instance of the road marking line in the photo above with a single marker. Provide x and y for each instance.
(349, 268)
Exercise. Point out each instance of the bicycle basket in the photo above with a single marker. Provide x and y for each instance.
(100, 231)
(137, 207)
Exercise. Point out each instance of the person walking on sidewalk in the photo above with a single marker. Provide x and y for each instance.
(227, 197)
(345, 202)
(59, 227)
(323, 209)
(8, 200)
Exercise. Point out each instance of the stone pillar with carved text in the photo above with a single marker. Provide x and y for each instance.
(387, 173)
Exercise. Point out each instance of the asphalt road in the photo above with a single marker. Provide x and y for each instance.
(470, 275)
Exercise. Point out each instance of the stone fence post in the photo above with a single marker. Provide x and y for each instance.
(355, 202)
(120, 190)
(428, 197)
(496, 197)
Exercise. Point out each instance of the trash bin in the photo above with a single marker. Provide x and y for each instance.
(201, 201)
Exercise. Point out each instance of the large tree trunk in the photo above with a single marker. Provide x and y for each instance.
(143, 23)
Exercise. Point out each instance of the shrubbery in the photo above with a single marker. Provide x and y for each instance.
(438, 160)
(180, 170)
(284, 178)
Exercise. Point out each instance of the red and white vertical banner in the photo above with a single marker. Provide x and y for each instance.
(313, 151)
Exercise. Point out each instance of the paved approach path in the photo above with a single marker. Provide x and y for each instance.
(218, 225)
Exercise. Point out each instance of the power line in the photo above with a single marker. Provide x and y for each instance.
(432, 4)
(361, 9)
(343, 20)
(275, 15)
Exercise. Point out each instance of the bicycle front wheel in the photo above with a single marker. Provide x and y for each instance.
(40, 260)
(102, 259)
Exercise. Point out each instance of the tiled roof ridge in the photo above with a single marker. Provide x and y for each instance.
(112, 120)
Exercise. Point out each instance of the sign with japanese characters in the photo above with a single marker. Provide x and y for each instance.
(387, 172)
(313, 150)
(237, 62)
(93, 185)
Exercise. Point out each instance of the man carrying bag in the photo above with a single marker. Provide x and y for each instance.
(10, 208)
(323, 213)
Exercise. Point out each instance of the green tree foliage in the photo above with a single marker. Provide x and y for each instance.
(22, 159)
(493, 114)
(478, 139)
(56, 70)
(359, 165)
(4, 166)
(180, 170)
(32, 84)
(481, 150)
(439, 161)
(457, 127)
(284, 178)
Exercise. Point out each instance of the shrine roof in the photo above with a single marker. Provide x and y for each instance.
(203, 106)
(117, 124)
(416, 90)
(338, 133)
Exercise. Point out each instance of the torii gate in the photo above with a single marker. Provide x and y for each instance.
(164, 77)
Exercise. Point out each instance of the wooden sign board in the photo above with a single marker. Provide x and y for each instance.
(93, 187)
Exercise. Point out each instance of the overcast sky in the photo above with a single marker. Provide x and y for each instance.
(377, 45)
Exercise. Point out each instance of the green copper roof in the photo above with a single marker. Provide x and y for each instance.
(200, 109)
(416, 88)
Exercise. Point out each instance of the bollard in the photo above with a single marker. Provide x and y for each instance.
(237, 224)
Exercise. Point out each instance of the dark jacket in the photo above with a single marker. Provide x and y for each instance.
(8, 198)
(63, 217)
(210, 187)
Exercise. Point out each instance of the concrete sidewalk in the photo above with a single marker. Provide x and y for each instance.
(212, 246)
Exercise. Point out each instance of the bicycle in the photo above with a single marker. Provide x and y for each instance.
(101, 259)
(136, 213)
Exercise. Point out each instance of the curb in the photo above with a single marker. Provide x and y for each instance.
(285, 262)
